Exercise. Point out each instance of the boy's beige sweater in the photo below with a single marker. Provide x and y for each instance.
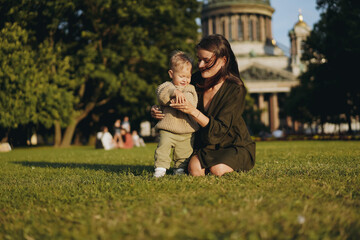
(176, 121)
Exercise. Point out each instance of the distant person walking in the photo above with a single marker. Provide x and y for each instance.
(117, 134)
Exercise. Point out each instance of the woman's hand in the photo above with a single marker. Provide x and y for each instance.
(185, 107)
(188, 108)
(179, 96)
(156, 112)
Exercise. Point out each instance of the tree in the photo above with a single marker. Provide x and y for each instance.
(34, 84)
(18, 75)
(119, 49)
(331, 50)
(126, 54)
(43, 21)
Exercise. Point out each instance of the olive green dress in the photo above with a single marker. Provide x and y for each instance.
(226, 138)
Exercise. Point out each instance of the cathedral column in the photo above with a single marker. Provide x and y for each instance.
(266, 28)
(270, 30)
(274, 112)
(293, 47)
(217, 25)
(203, 27)
(254, 19)
(210, 26)
(221, 28)
(245, 19)
(298, 50)
(262, 29)
(240, 27)
(234, 26)
(227, 29)
(262, 107)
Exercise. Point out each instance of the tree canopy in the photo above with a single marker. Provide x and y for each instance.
(35, 85)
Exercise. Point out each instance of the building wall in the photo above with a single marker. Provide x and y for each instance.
(280, 62)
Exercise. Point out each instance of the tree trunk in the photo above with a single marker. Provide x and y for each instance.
(57, 137)
(92, 140)
(69, 133)
(77, 139)
(70, 130)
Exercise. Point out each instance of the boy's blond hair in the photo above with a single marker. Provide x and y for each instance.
(179, 58)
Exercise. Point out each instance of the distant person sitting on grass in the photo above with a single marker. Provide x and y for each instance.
(176, 128)
(126, 124)
(127, 139)
(138, 141)
(106, 139)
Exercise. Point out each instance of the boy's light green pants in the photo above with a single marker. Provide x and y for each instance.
(182, 144)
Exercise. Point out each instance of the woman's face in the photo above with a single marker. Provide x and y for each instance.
(208, 64)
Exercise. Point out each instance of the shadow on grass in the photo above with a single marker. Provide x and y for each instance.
(135, 170)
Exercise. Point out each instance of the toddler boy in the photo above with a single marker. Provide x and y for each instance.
(176, 128)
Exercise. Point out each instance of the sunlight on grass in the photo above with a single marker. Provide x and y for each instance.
(296, 190)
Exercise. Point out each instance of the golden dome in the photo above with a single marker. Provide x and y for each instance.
(301, 22)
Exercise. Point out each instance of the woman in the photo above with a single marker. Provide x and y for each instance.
(223, 143)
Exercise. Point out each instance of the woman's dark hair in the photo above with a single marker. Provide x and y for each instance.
(218, 45)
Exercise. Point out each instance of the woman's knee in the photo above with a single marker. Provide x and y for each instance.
(220, 169)
(194, 167)
(196, 172)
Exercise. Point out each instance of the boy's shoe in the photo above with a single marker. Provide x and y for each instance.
(179, 171)
(159, 172)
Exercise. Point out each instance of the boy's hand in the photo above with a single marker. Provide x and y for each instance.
(179, 96)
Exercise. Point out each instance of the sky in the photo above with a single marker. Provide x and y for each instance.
(286, 15)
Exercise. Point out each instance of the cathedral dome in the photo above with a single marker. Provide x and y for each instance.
(301, 22)
(238, 20)
(211, 7)
(218, 2)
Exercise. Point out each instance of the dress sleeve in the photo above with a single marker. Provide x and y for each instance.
(228, 111)
(164, 93)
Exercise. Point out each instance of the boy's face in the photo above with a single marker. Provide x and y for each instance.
(181, 75)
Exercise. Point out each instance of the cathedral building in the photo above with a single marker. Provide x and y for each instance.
(268, 73)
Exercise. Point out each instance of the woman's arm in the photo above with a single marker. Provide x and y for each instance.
(156, 112)
(189, 109)
(189, 104)
(220, 121)
(200, 118)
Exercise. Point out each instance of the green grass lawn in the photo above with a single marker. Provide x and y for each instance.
(297, 190)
